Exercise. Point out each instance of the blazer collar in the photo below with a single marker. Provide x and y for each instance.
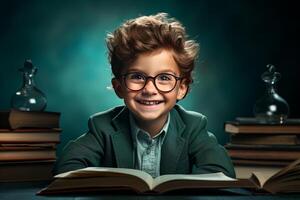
(122, 140)
(173, 144)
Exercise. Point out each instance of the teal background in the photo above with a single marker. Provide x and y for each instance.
(66, 41)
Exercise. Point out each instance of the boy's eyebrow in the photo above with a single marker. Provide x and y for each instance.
(158, 72)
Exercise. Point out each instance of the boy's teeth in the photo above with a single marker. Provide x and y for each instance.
(150, 102)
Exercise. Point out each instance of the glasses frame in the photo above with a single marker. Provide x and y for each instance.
(153, 78)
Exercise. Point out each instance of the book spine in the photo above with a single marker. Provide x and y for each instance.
(247, 129)
(263, 155)
(29, 137)
(15, 155)
(262, 139)
(20, 119)
(26, 171)
(25, 148)
(259, 147)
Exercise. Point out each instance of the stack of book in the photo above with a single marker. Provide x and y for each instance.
(266, 148)
(28, 143)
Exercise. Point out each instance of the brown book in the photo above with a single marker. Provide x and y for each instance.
(29, 145)
(263, 154)
(264, 163)
(235, 127)
(26, 171)
(25, 147)
(30, 154)
(262, 147)
(101, 179)
(265, 139)
(14, 119)
(253, 120)
(30, 136)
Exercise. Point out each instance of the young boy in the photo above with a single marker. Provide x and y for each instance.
(152, 61)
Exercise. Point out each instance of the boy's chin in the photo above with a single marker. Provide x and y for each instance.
(148, 117)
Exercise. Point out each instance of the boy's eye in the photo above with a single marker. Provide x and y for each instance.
(136, 76)
(164, 77)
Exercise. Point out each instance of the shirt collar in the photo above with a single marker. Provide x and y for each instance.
(135, 129)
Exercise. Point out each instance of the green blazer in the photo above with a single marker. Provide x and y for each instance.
(188, 146)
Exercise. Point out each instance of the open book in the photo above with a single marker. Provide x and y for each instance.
(101, 179)
(286, 180)
(89, 179)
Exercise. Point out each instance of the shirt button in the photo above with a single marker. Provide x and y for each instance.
(148, 151)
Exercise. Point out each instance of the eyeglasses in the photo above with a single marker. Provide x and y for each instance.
(163, 82)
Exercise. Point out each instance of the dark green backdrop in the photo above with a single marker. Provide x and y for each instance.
(65, 40)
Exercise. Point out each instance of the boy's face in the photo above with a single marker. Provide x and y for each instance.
(150, 104)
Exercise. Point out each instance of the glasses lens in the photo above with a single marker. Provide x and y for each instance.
(135, 81)
(165, 82)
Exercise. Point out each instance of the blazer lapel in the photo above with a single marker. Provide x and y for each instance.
(173, 144)
(122, 141)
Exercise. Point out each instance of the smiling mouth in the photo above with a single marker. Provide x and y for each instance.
(149, 103)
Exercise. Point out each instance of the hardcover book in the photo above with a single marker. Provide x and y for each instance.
(29, 136)
(14, 119)
(253, 120)
(17, 171)
(235, 127)
(265, 139)
(259, 163)
(26, 153)
(264, 154)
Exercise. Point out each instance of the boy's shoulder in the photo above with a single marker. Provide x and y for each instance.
(192, 120)
(103, 121)
(188, 115)
(107, 114)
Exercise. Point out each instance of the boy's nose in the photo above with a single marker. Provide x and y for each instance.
(150, 87)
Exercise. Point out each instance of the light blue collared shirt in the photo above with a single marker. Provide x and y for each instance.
(148, 150)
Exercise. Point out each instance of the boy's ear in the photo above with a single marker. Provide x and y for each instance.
(117, 87)
(183, 90)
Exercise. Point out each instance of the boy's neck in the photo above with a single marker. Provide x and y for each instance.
(152, 127)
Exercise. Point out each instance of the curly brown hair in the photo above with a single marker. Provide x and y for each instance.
(147, 34)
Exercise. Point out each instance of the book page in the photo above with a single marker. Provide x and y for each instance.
(107, 172)
(275, 181)
(219, 176)
(286, 169)
(245, 172)
(262, 177)
(289, 173)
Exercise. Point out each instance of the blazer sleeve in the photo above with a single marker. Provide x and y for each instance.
(85, 151)
(206, 154)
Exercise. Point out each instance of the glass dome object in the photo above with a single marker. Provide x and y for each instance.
(29, 97)
(271, 108)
